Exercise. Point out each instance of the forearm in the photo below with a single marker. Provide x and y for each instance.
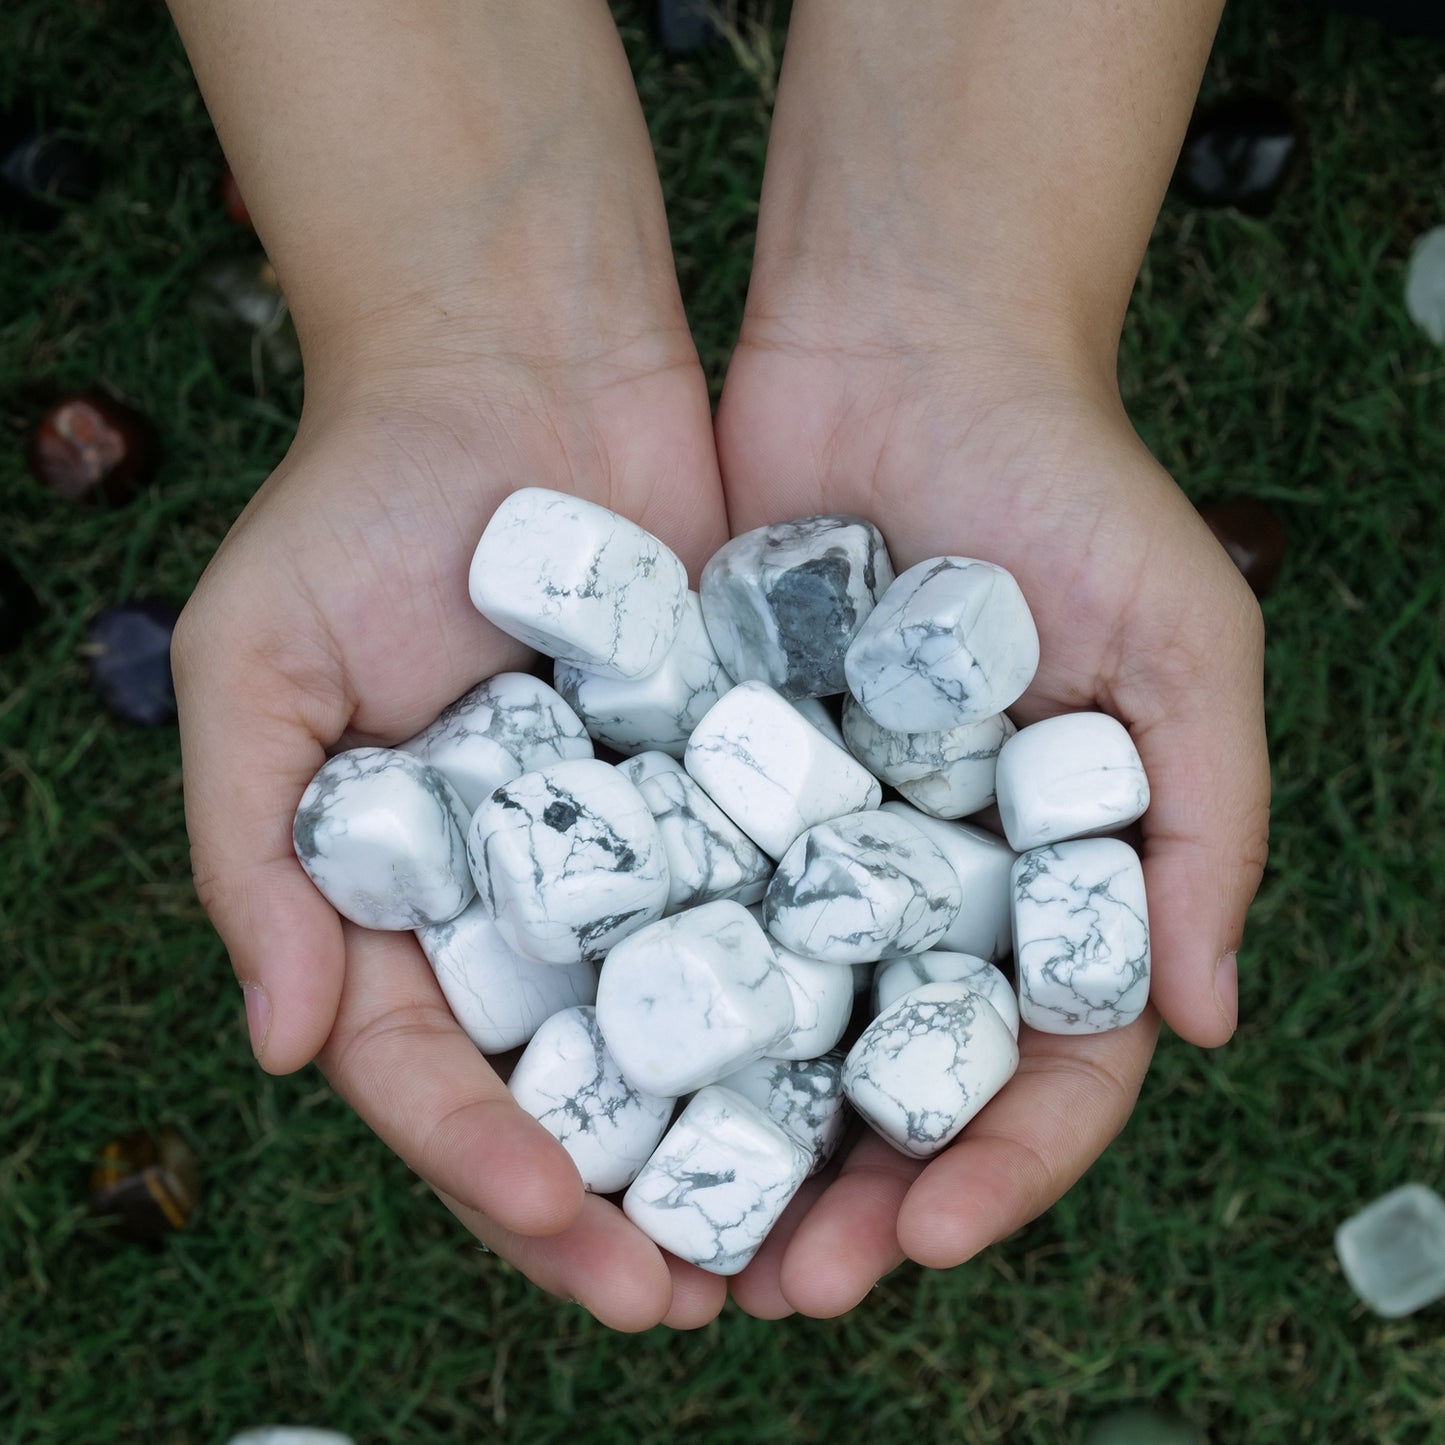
(427, 156)
(1009, 154)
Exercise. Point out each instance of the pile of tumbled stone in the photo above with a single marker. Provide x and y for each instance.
(737, 878)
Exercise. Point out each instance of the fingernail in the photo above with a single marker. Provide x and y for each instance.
(1226, 990)
(258, 1016)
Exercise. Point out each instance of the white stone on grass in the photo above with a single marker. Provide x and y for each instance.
(696, 996)
(805, 1096)
(382, 836)
(895, 977)
(708, 855)
(982, 863)
(570, 1084)
(568, 861)
(1071, 776)
(660, 710)
(503, 727)
(945, 774)
(927, 1064)
(1425, 284)
(951, 642)
(861, 887)
(783, 602)
(771, 771)
(578, 582)
(718, 1182)
(1081, 936)
(498, 997)
(823, 996)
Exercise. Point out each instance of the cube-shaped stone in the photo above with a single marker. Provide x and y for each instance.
(694, 997)
(1070, 776)
(820, 714)
(927, 1064)
(719, 1181)
(783, 602)
(568, 861)
(578, 582)
(1081, 936)
(498, 997)
(895, 977)
(805, 1096)
(383, 836)
(863, 886)
(952, 641)
(771, 771)
(658, 711)
(823, 995)
(571, 1085)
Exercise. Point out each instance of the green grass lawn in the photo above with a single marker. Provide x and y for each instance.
(322, 1283)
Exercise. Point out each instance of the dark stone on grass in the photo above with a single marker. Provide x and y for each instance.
(239, 307)
(1238, 151)
(129, 649)
(1254, 538)
(42, 173)
(91, 447)
(146, 1186)
(19, 611)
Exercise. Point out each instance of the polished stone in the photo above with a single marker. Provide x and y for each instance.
(945, 774)
(1253, 536)
(719, 1181)
(239, 307)
(382, 836)
(927, 1064)
(863, 886)
(513, 723)
(128, 652)
(1081, 936)
(708, 855)
(895, 977)
(951, 642)
(823, 996)
(657, 712)
(982, 863)
(771, 771)
(1071, 776)
(685, 1001)
(819, 713)
(568, 1081)
(1393, 1251)
(783, 602)
(1425, 284)
(1238, 151)
(805, 1096)
(145, 1185)
(498, 997)
(568, 861)
(91, 447)
(579, 583)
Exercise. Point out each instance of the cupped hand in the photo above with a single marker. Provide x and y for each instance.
(953, 440)
(336, 613)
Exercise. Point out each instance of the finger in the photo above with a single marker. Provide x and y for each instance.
(758, 1289)
(1198, 723)
(1069, 1098)
(249, 746)
(402, 1062)
(697, 1296)
(848, 1241)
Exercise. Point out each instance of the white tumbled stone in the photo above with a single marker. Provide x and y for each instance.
(982, 863)
(568, 1081)
(578, 582)
(718, 1182)
(1081, 936)
(708, 855)
(1071, 776)
(655, 712)
(895, 977)
(861, 887)
(805, 1096)
(382, 835)
(498, 997)
(818, 713)
(945, 774)
(771, 771)
(691, 998)
(1425, 284)
(783, 602)
(951, 641)
(823, 996)
(568, 860)
(289, 1435)
(503, 727)
(927, 1064)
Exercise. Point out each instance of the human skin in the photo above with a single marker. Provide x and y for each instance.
(461, 204)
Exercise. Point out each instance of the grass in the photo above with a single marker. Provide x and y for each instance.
(322, 1283)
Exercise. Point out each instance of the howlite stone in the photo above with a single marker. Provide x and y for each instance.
(128, 649)
(805, 1096)
(1238, 152)
(93, 446)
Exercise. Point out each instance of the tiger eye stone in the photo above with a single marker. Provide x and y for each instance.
(146, 1185)
(1254, 538)
(92, 446)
